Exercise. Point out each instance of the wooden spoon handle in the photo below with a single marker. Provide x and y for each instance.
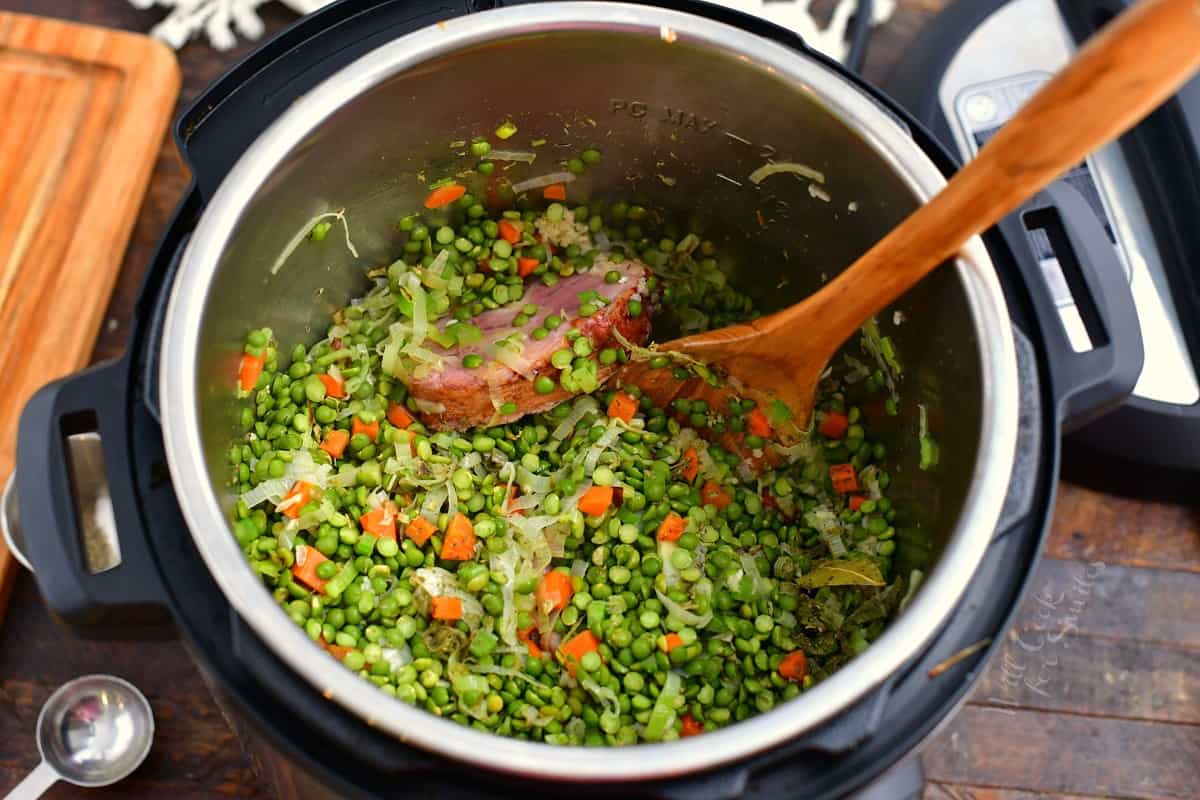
(1116, 79)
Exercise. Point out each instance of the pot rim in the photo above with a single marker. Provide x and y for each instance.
(900, 642)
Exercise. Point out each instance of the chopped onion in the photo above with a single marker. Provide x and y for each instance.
(267, 490)
(397, 657)
(306, 229)
(420, 322)
(600, 239)
(434, 501)
(543, 181)
(429, 406)
(582, 407)
(914, 582)
(825, 523)
(774, 168)
(511, 358)
(676, 611)
(749, 567)
(597, 448)
(451, 499)
(578, 568)
(511, 155)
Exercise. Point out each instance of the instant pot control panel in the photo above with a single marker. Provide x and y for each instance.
(972, 69)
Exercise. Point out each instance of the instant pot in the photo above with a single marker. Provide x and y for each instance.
(121, 479)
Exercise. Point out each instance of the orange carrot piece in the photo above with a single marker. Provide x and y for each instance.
(691, 727)
(555, 191)
(398, 415)
(304, 569)
(509, 231)
(844, 479)
(370, 431)
(526, 266)
(459, 544)
(575, 648)
(334, 387)
(445, 195)
(794, 666)
(671, 528)
(249, 370)
(554, 591)
(301, 490)
(834, 425)
(447, 609)
(691, 464)
(672, 640)
(336, 650)
(757, 422)
(419, 530)
(380, 522)
(856, 501)
(335, 443)
(712, 494)
(531, 644)
(623, 406)
(596, 500)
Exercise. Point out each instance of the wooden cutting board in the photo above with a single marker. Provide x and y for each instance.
(83, 111)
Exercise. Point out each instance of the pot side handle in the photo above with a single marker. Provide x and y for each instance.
(1089, 384)
(79, 520)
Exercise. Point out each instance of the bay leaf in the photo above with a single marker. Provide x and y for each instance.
(842, 572)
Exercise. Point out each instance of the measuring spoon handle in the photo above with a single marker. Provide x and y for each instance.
(35, 784)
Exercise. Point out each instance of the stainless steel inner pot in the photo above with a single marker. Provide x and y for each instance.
(684, 109)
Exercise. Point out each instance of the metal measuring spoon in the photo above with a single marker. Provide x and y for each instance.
(92, 731)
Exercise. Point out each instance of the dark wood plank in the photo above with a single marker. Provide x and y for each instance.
(1098, 599)
(1092, 526)
(958, 791)
(1067, 754)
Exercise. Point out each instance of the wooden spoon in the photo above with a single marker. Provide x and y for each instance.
(1116, 79)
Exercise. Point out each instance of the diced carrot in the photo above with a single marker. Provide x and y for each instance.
(575, 648)
(691, 727)
(445, 195)
(691, 464)
(555, 191)
(856, 501)
(623, 406)
(596, 500)
(334, 387)
(380, 522)
(554, 591)
(712, 494)
(531, 644)
(398, 415)
(304, 568)
(844, 479)
(672, 640)
(757, 422)
(447, 609)
(335, 443)
(249, 370)
(370, 431)
(510, 231)
(671, 528)
(834, 425)
(419, 530)
(336, 650)
(526, 266)
(459, 544)
(297, 498)
(794, 666)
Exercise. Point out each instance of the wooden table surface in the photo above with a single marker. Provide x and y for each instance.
(1095, 694)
